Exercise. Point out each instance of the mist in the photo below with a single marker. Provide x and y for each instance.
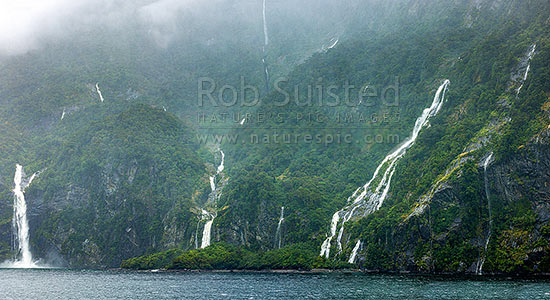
(28, 25)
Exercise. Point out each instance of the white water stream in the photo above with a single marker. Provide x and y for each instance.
(369, 198)
(278, 237)
(99, 92)
(353, 255)
(207, 230)
(20, 222)
(486, 163)
(526, 74)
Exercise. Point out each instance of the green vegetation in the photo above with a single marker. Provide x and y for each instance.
(154, 261)
(125, 178)
(222, 256)
(131, 175)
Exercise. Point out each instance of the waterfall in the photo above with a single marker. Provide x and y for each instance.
(63, 114)
(325, 248)
(214, 195)
(213, 183)
(369, 198)
(266, 37)
(526, 74)
(207, 228)
(353, 255)
(278, 237)
(489, 230)
(99, 92)
(333, 43)
(242, 121)
(206, 233)
(221, 166)
(20, 222)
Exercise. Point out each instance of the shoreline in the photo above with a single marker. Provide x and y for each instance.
(348, 271)
(274, 271)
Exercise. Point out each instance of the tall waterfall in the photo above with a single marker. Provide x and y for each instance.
(213, 183)
(207, 229)
(266, 37)
(369, 198)
(278, 237)
(20, 222)
(221, 166)
(63, 114)
(99, 92)
(325, 247)
(526, 74)
(206, 233)
(353, 255)
(481, 261)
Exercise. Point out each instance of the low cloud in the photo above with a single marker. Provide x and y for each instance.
(26, 24)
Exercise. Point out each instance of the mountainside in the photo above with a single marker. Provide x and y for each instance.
(116, 187)
(493, 107)
(399, 135)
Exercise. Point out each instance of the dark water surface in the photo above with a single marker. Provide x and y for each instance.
(86, 284)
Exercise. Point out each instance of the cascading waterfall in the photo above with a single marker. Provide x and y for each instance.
(221, 166)
(207, 230)
(63, 114)
(526, 74)
(20, 222)
(481, 261)
(278, 237)
(213, 183)
(370, 198)
(206, 233)
(325, 247)
(266, 36)
(99, 92)
(353, 255)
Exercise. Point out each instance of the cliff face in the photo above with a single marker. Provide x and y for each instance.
(6, 214)
(462, 232)
(446, 210)
(120, 188)
(488, 210)
(126, 182)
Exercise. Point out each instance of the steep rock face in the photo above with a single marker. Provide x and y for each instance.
(526, 176)
(450, 233)
(120, 188)
(252, 201)
(488, 210)
(448, 18)
(6, 214)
